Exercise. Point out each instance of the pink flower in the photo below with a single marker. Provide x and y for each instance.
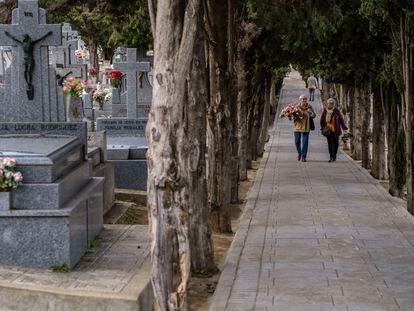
(18, 177)
(1, 172)
(9, 175)
(9, 162)
(65, 88)
(70, 78)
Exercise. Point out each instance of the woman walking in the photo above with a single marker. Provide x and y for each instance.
(302, 127)
(332, 124)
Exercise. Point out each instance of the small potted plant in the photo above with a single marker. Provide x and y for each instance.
(10, 179)
(114, 78)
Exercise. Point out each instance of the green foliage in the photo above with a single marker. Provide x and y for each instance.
(62, 268)
(95, 243)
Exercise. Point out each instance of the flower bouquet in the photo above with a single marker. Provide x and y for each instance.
(73, 87)
(9, 177)
(93, 72)
(101, 97)
(291, 112)
(78, 54)
(115, 77)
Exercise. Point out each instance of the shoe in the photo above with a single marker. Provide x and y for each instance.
(304, 160)
(330, 160)
(333, 159)
(299, 157)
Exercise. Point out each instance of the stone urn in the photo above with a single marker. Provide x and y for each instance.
(5, 201)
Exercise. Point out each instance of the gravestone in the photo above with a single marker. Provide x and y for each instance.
(145, 84)
(131, 67)
(29, 35)
(71, 42)
(52, 217)
(127, 148)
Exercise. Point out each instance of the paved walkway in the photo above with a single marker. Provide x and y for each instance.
(317, 235)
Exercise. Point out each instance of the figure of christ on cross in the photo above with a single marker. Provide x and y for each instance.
(28, 49)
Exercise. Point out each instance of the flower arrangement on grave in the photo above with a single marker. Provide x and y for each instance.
(291, 112)
(73, 87)
(78, 54)
(100, 95)
(114, 78)
(10, 178)
(93, 72)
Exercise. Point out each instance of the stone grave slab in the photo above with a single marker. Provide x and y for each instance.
(127, 148)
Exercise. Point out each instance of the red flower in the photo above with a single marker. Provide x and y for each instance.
(93, 72)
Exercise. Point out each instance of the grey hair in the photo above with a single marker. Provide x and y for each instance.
(303, 96)
(331, 101)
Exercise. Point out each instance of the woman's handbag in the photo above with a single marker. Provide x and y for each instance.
(311, 124)
(325, 131)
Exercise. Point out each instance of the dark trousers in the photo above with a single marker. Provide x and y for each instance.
(333, 143)
(311, 95)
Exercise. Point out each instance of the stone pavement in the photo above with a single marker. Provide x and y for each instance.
(113, 275)
(317, 235)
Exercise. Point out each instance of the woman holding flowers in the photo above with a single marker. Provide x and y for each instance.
(332, 124)
(302, 127)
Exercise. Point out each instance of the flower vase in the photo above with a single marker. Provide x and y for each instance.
(74, 110)
(101, 104)
(5, 201)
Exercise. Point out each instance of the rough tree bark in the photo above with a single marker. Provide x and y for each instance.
(357, 121)
(169, 159)
(408, 100)
(365, 132)
(264, 124)
(378, 138)
(201, 244)
(220, 133)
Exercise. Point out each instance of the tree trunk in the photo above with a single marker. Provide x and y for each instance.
(242, 114)
(219, 119)
(264, 124)
(365, 131)
(378, 138)
(171, 157)
(273, 101)
(93, 57)
(408, 95)
(201, 244)
(357, 125)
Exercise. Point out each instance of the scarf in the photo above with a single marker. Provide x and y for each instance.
(330, 120)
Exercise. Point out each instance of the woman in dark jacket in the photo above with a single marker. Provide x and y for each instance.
(332, 119)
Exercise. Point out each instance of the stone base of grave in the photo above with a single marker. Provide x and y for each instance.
(114, 275)
(48, 237)
(130, 174)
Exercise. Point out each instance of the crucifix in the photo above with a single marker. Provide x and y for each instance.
(29, 36)
(131, 67)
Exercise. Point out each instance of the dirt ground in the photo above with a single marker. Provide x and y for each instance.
(201, 290)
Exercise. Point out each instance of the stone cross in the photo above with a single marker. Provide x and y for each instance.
(71, 42)
(29, 35)
(131, 67)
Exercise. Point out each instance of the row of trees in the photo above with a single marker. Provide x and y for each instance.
(232, 54)
(213, 83)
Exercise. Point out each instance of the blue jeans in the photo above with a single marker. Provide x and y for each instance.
(302, 142)
(311, 95)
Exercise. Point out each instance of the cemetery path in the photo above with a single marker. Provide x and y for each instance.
(317, 235)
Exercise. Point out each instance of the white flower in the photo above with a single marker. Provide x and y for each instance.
(18, 177)
(108, 97)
